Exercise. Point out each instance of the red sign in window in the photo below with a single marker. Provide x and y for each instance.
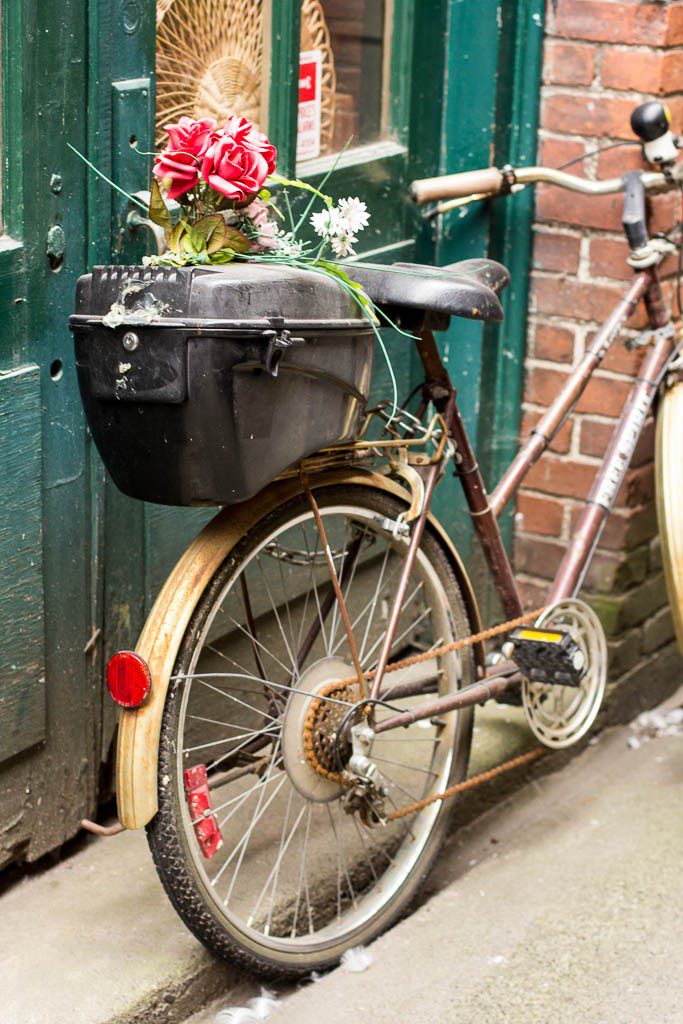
(308, 133)
(308, 80)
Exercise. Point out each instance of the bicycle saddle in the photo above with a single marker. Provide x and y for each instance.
(469, 288)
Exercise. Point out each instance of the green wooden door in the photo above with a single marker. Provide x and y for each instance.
(80, 564)
(49, 694)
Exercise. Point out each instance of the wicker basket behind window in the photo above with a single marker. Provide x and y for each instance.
(209, 61)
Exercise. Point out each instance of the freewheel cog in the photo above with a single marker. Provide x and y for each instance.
(561, 715)
(327, 718)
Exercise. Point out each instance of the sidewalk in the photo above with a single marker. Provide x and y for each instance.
(95, 940)
(565, 908)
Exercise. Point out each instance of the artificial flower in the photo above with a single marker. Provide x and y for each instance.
(178, 171)
(232, 169)
(188, 136)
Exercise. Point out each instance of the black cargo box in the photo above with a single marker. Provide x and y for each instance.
(201, 385)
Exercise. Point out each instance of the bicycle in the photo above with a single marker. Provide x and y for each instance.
(299, 706)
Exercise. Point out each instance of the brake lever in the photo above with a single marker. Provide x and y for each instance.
(454, 204)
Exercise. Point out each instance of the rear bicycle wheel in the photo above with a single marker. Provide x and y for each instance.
(297, 880)
(669, 491)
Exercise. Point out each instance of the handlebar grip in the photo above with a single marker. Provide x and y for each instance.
(489, 180)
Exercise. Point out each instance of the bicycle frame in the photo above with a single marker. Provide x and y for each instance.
(485, 510)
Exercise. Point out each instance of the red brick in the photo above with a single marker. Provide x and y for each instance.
(608, 22)
(572, 298)
(674, 24)
(604, 396)
(553, 251)
(539, 515)
(620, 360)
(664, 210)
(568, 63)
(588, 114)
(596, 435)
(553, 342)
(562, 440)
(625, 528)
(642, 70)
(538, 557)
(615, 162)
(553, 474)
(608, 259)
(558, 204)
(638, 487)
(635, 70)
(543, 384)
(557, 152)
(532, 594)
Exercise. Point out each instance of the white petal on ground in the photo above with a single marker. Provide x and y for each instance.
(356, 959)
(257, 1009)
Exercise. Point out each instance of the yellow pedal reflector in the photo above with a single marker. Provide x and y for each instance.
(542, 636)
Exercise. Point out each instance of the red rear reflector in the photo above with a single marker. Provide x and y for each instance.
(204, 821)
(128, 679)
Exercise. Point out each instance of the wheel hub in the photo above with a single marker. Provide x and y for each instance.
(327, 718)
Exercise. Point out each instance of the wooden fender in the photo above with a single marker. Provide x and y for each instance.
(162, 634)
(669, 489)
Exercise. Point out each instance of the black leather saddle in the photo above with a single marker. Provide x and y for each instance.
(405, 291)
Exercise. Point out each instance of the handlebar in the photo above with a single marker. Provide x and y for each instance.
(490, 182)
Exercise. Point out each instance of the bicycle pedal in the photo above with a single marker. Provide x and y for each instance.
(546, 656)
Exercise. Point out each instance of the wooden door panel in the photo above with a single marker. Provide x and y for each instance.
(22, 608)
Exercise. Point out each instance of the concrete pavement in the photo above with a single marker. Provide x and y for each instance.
(564, 904)
(95, 940)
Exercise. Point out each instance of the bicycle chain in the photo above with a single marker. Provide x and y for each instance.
(346, 687)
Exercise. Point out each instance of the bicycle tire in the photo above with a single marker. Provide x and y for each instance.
(669, 493)
(170, 844)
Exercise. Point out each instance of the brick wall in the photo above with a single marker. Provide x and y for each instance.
(601, 58)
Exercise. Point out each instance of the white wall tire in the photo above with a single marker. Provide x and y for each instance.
(669, 490)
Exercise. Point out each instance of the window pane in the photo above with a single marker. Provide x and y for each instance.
(342, 71)
(209, 60)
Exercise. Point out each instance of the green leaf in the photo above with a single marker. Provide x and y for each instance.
(222, 256)
(215, 231)
(174, 236)
(336, 271)
(158, 211)
(236, 240)
(193, 241)
(298, 183)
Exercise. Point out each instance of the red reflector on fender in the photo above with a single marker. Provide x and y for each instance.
(128, 679)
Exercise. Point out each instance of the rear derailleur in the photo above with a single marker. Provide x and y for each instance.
(366, 790)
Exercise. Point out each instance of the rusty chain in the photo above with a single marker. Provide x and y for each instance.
(344, 684)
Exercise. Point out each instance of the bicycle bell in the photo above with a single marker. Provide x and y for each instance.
(651, 122)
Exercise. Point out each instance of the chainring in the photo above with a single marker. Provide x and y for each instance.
(560, 716)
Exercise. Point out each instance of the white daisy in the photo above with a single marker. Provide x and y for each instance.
(354, 213)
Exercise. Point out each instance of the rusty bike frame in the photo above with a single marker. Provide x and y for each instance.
(485, 509)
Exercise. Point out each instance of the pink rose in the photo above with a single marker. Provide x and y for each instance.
(266, 229)
(243, 131)
(179, 168)
(232, 169)
(193, 137)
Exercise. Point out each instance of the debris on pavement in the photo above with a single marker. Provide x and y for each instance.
(356, 959)
(652, 724)
(258, 1008)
